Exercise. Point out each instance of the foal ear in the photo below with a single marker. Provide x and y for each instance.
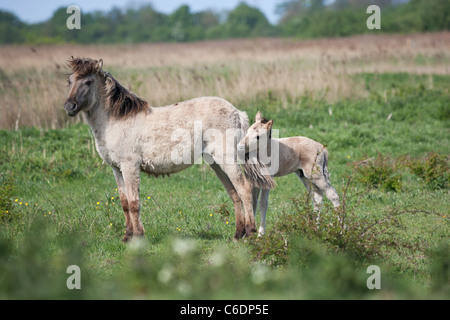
(99, 65)
(258, 117)
(269, 124)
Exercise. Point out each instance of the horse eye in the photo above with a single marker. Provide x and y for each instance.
(88, 83)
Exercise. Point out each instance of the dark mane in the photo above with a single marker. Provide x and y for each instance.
(82, 66)
(264, 121)
(120, 102)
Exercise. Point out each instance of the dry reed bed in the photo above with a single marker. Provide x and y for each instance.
(33, 79)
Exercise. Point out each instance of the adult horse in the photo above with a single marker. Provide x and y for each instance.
(133, 137)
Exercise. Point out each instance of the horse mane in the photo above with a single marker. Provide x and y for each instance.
(119, 101)
(82, 66)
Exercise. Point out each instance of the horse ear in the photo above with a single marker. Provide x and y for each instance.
(258, 117)
(99, 65)
(269, 124)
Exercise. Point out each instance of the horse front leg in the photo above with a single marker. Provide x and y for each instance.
(131, 178)
(124, 201)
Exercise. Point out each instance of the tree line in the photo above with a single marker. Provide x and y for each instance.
(298, 18)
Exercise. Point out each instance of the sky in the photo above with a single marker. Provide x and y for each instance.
(32, 11)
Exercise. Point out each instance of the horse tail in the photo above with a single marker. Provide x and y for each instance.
(326, 173)
(243, 122)
(254, 170)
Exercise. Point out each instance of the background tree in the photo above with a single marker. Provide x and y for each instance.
(298, 18)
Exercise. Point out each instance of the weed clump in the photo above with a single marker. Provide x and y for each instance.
(434, 170)
(7, 190)
(348, 229)
(380, 173)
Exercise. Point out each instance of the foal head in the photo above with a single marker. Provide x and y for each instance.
(258, 135)
(84, 83)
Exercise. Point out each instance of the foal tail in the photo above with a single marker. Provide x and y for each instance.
(326, 173)
(254, 170)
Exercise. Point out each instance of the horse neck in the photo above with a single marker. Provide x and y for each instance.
(97, 117)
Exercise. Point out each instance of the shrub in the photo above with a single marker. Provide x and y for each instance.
(348, 229)
(380, 172)
(434, 170)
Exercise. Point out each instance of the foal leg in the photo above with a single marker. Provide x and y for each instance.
(255, 197)
(123, 200)
(263, 205)
(312, 191)
(322, 180)
(131, 178)
(324, 185)
(238, 209)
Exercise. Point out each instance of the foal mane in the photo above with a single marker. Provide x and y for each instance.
(119, 101)
(264, 121)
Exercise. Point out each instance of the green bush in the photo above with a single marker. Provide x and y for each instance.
(380, 172)
(349, 229)
(434, 170)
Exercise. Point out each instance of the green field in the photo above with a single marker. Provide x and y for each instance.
(59, 207)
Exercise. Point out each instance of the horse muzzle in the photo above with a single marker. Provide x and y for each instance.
(72, 108)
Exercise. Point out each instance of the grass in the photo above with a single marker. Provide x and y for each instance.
(62, 209)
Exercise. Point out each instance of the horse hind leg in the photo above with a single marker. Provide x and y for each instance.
(237, 203)
(243, 188)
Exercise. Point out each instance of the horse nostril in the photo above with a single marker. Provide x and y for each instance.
(70, 107)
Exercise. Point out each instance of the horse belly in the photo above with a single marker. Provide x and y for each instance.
(162, 165)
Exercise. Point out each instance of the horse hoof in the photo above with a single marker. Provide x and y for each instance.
(249, 232)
